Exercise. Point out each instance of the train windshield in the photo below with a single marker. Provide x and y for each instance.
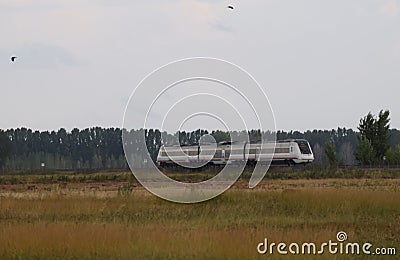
(304, 148)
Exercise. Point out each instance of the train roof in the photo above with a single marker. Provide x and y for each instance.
(290, 140)
(237, 142)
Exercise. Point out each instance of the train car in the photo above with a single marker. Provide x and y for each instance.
(285, 152)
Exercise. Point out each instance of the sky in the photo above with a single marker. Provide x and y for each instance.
(322, 64)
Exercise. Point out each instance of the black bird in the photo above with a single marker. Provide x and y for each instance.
(231, 7)
(13, 58)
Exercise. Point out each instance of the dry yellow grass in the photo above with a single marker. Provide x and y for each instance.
(92, 221)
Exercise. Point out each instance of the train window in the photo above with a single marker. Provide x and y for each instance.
(281, 150)
(267, 151)
(304, 148)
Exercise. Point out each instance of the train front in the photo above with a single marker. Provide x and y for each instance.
(304, 151)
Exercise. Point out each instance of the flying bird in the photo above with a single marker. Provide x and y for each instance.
(13, 58)
(231, 7)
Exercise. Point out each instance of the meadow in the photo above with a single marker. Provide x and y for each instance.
(110, 216)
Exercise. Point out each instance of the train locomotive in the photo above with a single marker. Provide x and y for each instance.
(283, 152)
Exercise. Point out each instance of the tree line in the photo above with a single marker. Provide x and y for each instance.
(99, 148)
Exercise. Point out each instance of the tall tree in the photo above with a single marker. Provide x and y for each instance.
(5, 148)
(367, 127)
(381, 143)
(330, 153)
(365, 153)
(376, 131)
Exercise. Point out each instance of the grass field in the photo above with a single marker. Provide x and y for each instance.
(111, 216)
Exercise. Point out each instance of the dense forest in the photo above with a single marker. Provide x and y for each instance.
(99, 148)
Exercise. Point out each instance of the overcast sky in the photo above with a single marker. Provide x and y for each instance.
(323, 64)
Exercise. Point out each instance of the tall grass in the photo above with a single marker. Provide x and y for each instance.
(137, 225)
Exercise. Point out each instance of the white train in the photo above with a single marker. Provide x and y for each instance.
(285, 152)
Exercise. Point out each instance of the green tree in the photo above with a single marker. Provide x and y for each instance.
(375, 130)
(330, 153)
(367, 127)
(393, 156)
(365, 153)
(5, 148)
(381, 140)
(221, 136)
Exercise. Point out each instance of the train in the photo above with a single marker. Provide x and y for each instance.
(284, 152)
